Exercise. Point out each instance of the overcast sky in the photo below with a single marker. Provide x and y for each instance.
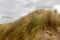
(14, 9)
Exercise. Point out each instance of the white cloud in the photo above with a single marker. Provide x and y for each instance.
(1, 0)
(1, 16)
(18, 8)
(57, 7)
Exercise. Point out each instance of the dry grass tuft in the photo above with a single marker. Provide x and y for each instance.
(38, 25)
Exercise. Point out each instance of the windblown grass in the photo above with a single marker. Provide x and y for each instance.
(38, 25)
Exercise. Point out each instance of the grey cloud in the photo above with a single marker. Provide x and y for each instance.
(14, 9)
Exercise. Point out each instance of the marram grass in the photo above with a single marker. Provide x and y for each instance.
(37, 25)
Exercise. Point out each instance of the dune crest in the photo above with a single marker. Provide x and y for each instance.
(37, 25)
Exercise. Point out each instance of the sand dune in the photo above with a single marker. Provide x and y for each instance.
(37, 25)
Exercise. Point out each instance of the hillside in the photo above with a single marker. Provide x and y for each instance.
(37, 25)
